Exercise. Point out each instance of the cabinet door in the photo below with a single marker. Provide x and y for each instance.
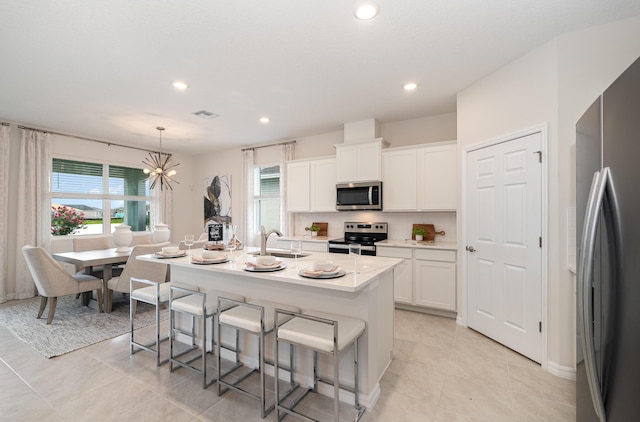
(402, 274)
(437, 178)
(399, 180)
(369, 161)
(435, 284)
(298, 186)
(323, 185)
(403, 282)
(347, 160)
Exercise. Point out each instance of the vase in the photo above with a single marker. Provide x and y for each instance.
(161, 233)
(122, 237)
(419, 237)
(314, 234)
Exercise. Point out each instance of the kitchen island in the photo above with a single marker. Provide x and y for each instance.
(367, 295)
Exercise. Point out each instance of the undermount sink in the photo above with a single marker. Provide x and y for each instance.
(281, 253)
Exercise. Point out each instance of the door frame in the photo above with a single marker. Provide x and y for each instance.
(462, 317)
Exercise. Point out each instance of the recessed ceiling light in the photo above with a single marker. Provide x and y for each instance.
(410, 86)
(367, 11)
(180, 85)
(264, 120)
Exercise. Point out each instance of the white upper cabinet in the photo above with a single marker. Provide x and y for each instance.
(399, 181)
(420, 179)
(437, 178)
(298, 182)
(322, 186)
(359, 162)
(311, 185)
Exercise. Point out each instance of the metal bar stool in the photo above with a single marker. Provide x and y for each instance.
(322, 333)
(201, 305)
(257, 318)
(155, 294)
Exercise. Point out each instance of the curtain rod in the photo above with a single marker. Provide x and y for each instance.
(89, 139)
(270, 145)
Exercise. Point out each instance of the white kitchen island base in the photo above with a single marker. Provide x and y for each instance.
(368, 297)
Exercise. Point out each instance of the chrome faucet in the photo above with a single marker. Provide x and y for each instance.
(263, 239)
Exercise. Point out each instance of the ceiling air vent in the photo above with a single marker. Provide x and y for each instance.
(206, 114)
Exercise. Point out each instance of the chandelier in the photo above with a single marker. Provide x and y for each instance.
(159, 167)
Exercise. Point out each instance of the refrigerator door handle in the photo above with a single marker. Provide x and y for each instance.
(601, 179)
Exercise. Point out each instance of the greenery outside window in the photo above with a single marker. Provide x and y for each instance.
(266, 194)
(107, 195)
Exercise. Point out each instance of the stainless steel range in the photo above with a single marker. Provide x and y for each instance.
(366, 234)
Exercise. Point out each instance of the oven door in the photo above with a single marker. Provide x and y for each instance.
(359, 196)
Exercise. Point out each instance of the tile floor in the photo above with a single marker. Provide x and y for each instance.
(441, 372)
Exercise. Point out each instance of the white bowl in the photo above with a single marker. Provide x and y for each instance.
(322, 265)
(206, 254)
(170, 250)
(265, 259)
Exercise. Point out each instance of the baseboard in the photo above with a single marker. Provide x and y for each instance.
(566, 372)
(430, 311)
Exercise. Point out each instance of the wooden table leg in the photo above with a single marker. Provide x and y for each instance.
(86, 296)
(107, 273)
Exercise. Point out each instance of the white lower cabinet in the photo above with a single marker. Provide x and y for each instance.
(307, 246)
(426, 277)
(402, 274)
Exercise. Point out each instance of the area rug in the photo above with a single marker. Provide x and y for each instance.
(74, 326)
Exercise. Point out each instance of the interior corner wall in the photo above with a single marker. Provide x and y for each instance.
(588, 62)
(554, 83)
(518, 96)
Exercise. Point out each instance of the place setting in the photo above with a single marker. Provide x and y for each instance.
(210, 257)
(322, 270)
(264, 263)
(170, 252)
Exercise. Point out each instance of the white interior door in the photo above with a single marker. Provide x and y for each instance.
(504, 255)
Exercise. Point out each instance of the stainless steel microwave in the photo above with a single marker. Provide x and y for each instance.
(359, 196)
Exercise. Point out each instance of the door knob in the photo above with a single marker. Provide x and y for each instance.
(470, 248)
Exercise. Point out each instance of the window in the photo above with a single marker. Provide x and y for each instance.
(266, 194)
(107, 195)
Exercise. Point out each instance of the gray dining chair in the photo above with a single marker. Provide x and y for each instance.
(138, 269)
(52, 281)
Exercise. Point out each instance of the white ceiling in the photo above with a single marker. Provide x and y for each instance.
(104, 69)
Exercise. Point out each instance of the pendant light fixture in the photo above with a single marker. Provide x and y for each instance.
(159, 167)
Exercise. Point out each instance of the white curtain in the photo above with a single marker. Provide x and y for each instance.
(161, 207)
(34, 204)
(287, 153)
(4, 212)
(247, 196)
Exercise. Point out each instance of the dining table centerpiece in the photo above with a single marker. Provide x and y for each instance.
(66, 220)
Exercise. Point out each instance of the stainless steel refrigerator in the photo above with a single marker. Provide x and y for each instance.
(608, 227)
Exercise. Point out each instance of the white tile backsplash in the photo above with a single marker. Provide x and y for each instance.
(400, 224)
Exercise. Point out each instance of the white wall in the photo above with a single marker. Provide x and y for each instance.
(407, 132)
(553, 83)
(76, 149)
(588, 62)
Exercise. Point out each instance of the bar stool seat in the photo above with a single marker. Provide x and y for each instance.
(255, 317)
(155, 294)
(201, 305)
(325, 333)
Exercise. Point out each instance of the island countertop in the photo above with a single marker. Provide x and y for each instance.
(368, 268)
(367, 296)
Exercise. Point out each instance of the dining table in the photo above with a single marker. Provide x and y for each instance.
(89, 259)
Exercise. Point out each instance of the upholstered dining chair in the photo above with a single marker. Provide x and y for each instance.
(138, 269)
(52, 281)
(144, 238)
